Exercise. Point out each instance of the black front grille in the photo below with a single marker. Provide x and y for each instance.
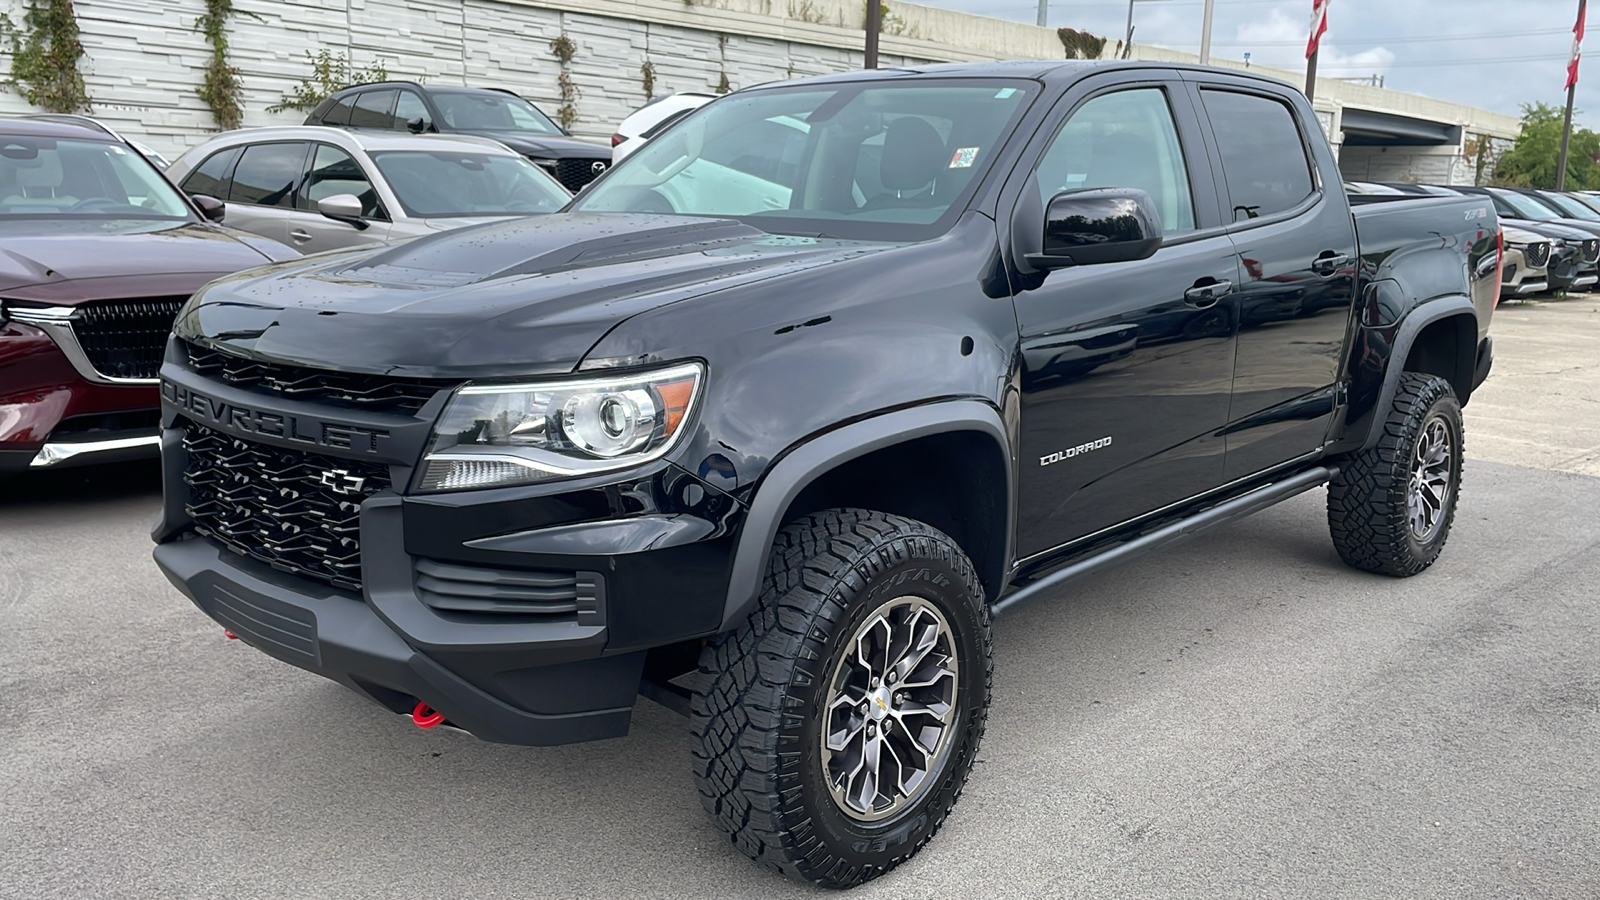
(1536, 254)
(298, 512)
(319, 385)
(126, 338)
(575, 173)
(1591, 250)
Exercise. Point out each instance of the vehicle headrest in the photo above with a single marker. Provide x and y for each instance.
(913, 154)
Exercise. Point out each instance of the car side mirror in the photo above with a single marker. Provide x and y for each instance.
(344, 208)
(210, 207)
(1098, 225)
(417, 125)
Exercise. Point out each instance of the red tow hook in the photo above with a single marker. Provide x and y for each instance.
(425, 717)
(229, 635)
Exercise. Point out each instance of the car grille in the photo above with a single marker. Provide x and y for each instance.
(575, 173)
(1591, 250)
(1536, 254)
(298, 512)
(319, 385)
(126, 338)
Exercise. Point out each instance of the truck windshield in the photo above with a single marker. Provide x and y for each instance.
(881, 160)
(440, 183)
(41, 176)
(1572, 208)
(1527, 206)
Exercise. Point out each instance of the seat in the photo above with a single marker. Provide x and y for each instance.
(913, 157)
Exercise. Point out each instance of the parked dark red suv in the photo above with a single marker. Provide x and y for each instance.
(97, 251)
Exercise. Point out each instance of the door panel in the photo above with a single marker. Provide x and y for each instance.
(1298, 284)
(332, 171)
(1117, 356)
(1127, 367)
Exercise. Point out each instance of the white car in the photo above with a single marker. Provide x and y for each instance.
(651, 119)
(317, 188)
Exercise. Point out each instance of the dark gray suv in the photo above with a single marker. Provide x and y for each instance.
(490, 112)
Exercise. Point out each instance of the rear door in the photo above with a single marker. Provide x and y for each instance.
(333, 171)
(261, 196)
(1126, 367)
(1296, 242)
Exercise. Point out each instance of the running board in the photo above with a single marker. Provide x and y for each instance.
(1181, 530)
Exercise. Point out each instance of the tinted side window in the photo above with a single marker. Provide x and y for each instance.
(339, 113)
(1122, 140)
(409, 107)
(211, 177)
(267, 174)
(373, 110)
(1263, 156)
(334, 172)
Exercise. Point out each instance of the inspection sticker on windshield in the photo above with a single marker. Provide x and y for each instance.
(964, 158)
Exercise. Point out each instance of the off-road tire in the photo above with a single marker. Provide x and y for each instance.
(755, 717)
(1368, 512)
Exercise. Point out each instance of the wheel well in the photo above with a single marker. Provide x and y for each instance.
(955, 482)
(1447, 348)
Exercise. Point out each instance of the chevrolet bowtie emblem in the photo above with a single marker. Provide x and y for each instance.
(341, 482)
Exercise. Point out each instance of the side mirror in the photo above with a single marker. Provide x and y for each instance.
(344, 208)
(1098, 225)
(210, 207)
(417, 125)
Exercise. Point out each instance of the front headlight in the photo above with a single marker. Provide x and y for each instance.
(494, 435)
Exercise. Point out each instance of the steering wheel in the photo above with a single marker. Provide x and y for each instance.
(91, 203)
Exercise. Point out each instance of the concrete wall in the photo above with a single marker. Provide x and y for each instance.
(145, 58)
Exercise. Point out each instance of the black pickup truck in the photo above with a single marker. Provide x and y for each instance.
(779, 413)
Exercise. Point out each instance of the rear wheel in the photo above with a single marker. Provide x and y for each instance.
(1390, 508)
(834, 730)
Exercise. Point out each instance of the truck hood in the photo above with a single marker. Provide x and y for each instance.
(43, 258)
(520, 297)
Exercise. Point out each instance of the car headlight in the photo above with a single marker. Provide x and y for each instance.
(495, 435)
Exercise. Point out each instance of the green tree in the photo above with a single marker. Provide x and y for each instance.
(1532, 162)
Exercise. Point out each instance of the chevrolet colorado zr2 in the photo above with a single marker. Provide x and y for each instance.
(775, 416)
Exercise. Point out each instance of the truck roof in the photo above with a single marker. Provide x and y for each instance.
(1015, 68)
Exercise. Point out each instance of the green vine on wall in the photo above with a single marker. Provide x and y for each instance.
(221, 86)
(647, 74)
(44, 56)
(564, 49)
(329, 75)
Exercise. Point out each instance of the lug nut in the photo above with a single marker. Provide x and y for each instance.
(899, 699)
(872, 730)
(892, 677)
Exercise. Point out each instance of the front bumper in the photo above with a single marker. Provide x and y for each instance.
(52, 417)
(654, 546)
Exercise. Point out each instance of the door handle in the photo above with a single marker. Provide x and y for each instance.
(1329, 263)
(300, 236)
(1204, 296)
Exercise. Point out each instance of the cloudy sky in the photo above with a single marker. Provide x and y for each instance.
(1489, 53)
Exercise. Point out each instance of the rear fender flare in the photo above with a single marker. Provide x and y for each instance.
(1420, 317)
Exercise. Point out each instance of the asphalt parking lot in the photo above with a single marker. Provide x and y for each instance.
(1243, 716)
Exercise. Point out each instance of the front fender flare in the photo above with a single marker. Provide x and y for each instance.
(803, 464)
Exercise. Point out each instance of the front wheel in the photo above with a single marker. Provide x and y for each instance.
(1390, 507)
(834, 730)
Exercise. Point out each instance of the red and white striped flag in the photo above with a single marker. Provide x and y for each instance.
(1577, 49)
(1319, 24)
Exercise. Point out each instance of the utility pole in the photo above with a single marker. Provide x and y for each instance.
(1572, 90)
(874, 24)
(1044, 13)
(1205, 35)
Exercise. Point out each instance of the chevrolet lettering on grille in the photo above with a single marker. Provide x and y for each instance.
(210, 410)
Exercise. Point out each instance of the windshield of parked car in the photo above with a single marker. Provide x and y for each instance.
(1527, 206)
(1571, 207)
(45, 176)
(857, 160)
(491, 111)
(440, 183)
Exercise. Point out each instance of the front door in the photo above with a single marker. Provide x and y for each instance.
(332, 171)
(1127, 367)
